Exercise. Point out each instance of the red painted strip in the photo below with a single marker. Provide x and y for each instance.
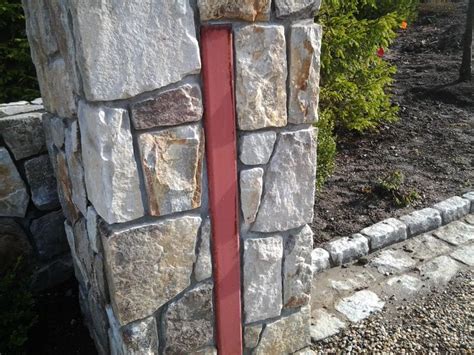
(221, 151)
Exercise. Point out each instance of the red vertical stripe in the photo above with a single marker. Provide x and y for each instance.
(221, 150)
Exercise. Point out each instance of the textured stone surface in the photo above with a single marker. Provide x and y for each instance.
(163, 51)
(93, 230)
(288, 199)
(251, 187)
(16, 108)
(169, 108)
(146, 266)
(360, 305)
(252, 335)
(465, 254)
(40, 176)
(453, 208)
(297, 268)
(456, 233)
(262, 281)
(304, 66)
(403, 286)
(392, 261)
(208, 350)
(469, 219)
(13, 244)
(298, 7)
(141, 337)
(55, 129)
(320, 260)
(76, 169)
(13, 195)
(347, 249)
(248, 10)
(83, 250)
(48, 235)
(23, 134)
(110, 168)
(470, 196)
(439, 270)
(385, 233)
(190, 321)
(172, 165)
(65, 188)
(426, 247)
(261, 72)
(286, 335)
(324, 325)
(422, 221)
(203, 267)
(256, 148)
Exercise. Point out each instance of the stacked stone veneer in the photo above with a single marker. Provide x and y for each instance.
(31, 221)
(121, 81)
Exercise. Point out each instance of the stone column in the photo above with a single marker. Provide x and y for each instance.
(121, 83)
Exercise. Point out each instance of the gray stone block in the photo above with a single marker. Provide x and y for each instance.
(360, 305)
(453, 208)
(49, 236)
(465, 254)
(256, 148)
(347, 249)
(385, 233)
(300, 8)
(16, 108)
(470, 196)
(422, 221)
(439, 270)
(14, 198)
(247, 10)
(325, 325)
(320, 260)
(456, 233)
(44, 189)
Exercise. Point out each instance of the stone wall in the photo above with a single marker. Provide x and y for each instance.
(122, 84)
(31, 221)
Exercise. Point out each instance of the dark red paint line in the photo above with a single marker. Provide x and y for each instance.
(221, 152)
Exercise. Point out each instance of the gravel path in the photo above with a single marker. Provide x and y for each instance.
(440, 322)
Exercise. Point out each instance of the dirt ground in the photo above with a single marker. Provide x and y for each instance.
(432, 144)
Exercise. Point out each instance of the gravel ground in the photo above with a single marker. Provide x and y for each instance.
(438, 322)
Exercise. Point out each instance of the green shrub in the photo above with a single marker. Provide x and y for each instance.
(17, 73)
(354, 80)
(17, 313)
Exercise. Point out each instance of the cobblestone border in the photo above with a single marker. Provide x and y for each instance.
(390, 231)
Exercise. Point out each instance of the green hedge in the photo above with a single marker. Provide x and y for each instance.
(354, 80)
(17, 73)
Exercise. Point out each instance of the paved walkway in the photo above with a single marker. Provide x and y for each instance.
(403, 272)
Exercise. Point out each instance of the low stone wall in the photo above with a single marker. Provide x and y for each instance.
(31, 220)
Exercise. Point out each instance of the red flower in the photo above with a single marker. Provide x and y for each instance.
(380, 52)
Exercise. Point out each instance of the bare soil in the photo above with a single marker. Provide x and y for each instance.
(432, 144)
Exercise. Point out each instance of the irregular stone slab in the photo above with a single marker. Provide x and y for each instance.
(262, 278)
(307, 8)
(261, 73)
(422, 221)
(146, 267)
(252, 335)
(286, 335)
(16, 108)
(465, 254)
(288, 198)
(141, 337)
(55, 129)
(455, 233)
(13, 195)
(203, 267)
(360, 305)
(172, 165)
(439, 270)
(392, 261)
(13, 244)
(324, 325)
(304, 67)
(351, 281)
(247, 10)
(470, 196)
(37, 101)
(469, 219)
(426, 247)
(403, 286)
(297, 268)
(83, 250)
(385, 233)
(453, 208)
(23, 134)
(169, 108)
(321, 260)
(76, 169)
(190, 321)
(256, 148)
(49, 235)
(111, 172)
(44, 189)
(251, 187)
(347, 249)
(151, 63)
(65, 188)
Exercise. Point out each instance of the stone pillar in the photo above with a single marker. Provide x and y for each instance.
(121, 82)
